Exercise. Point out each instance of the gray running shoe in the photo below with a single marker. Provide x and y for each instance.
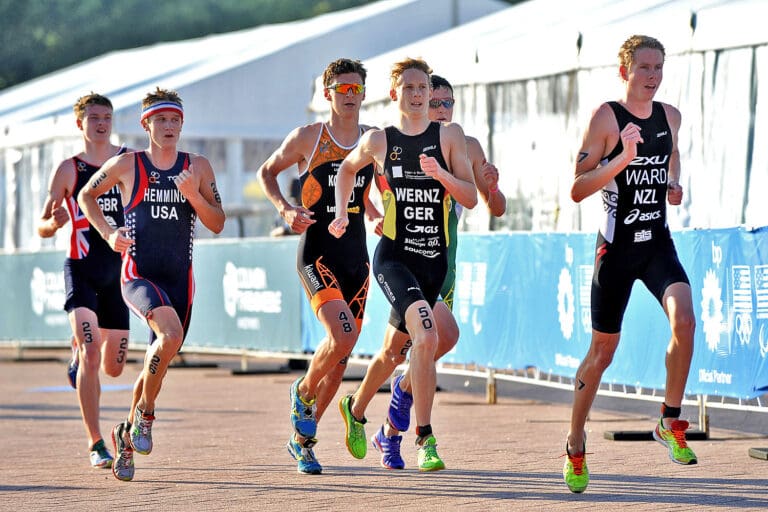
(122, 466)
(141, 432)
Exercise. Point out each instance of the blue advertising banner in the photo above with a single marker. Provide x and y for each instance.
(521, 300)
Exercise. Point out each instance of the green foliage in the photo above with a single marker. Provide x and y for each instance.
(40, 36)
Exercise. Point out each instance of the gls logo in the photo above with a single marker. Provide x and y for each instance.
(644, 217)
(430, 230)
(650, 160)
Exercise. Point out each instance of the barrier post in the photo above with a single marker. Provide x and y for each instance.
(490, 386)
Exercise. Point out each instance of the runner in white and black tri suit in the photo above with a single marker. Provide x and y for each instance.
(164, 191)
(634, 241)
(630, 155)
(421, 163)
(334, 272)
(97, 313)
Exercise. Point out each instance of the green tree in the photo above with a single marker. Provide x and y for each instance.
(40, 36)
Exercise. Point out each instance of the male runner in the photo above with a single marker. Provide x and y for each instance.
(630, 155)
(422, 164)
(97, 313)
(387, 439)
(164, 191)
(334, 272)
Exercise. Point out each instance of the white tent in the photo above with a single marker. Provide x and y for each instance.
(243, 92)
(527, 79)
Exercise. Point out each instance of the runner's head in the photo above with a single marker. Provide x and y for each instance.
(410, 85)
(629, 51)
(93, 116)
(161, 101)
(441, 104)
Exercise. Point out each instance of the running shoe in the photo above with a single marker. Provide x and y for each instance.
(389, 448)
(122, 467)
(74, 364)
(302, 413)
(428, 458)
(357, 444)
(674, 439)
(400, 406)
(141, 432)
(100, 457)
(307, 463)
(575, 472)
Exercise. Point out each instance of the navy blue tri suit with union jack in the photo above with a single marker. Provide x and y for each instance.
(411, 259)
(634, 241)
(92, 268)
(157, 268)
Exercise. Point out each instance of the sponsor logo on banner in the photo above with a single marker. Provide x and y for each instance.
(247, 294)
(469, 293)
(48, 295)
(566, 310)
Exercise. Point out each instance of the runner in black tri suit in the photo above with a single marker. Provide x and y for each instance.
(421, 163)
(97, 313)
(396, 338)
(334, 272)
(164, 191)
(630, 155)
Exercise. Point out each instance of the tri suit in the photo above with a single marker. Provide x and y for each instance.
(157, 267)
(92, 268)
(411, 259)
(331, 268)
(634, 241)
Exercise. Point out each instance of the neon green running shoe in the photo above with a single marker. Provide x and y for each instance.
(357, 443)
(575, 472)
(674, 439)
(428, 458)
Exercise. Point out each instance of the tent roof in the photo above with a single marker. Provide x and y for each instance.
(260, 77)
(542, 37)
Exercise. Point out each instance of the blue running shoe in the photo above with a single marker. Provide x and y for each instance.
(389, 448)
(302, 413)
(74, 364)
(400, 406)
(307, 463)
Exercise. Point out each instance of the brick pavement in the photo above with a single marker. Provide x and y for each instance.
(219, 445)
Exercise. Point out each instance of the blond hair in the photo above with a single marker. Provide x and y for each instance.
(398, 68)
(90, 99)
(634, 43)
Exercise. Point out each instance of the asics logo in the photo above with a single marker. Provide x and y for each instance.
(642, 217)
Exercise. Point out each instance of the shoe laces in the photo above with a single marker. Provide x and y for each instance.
(678, 429)
(145, 423)
(308, 455)
(390, 443)
(429, 450)
(577, 461)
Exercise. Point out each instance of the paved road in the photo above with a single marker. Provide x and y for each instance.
(219, 445)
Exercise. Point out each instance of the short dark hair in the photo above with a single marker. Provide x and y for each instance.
(438, 82)
(341, 66)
